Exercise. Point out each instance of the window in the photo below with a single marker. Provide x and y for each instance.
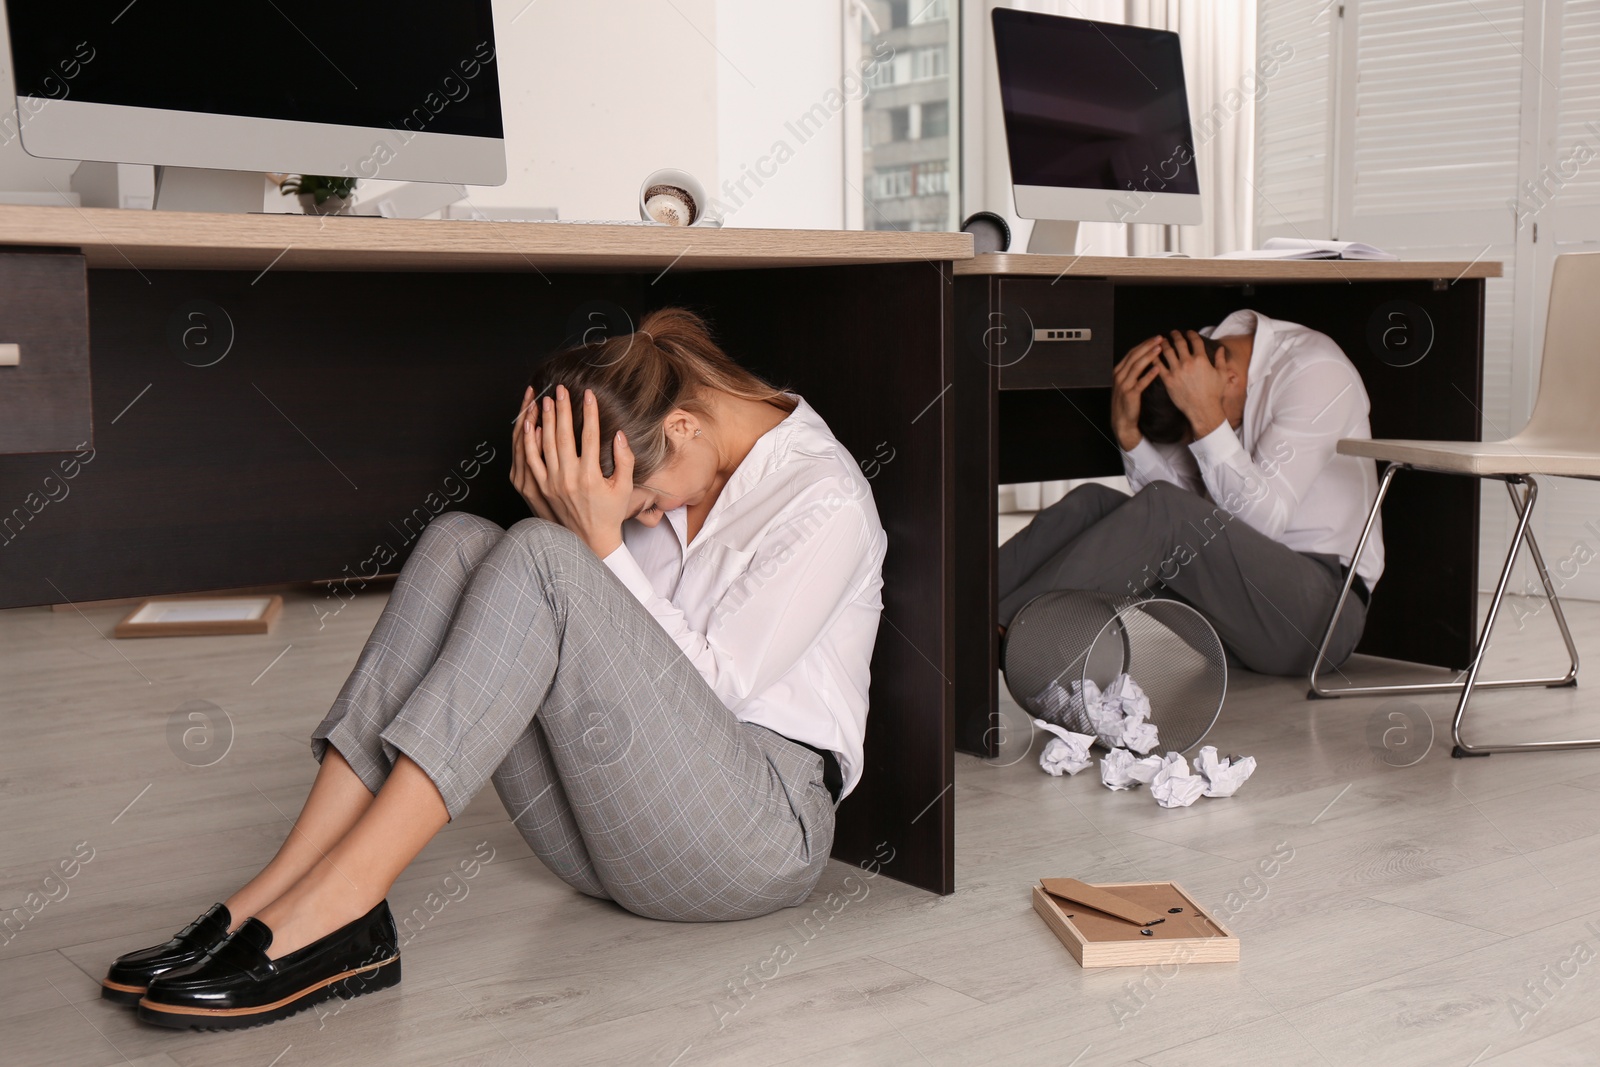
(930, 178)
(908, 143)
(915, 65)
(890, 183)
(928, 63)
(899, 125)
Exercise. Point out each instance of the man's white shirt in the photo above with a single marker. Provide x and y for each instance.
(1280, 473)
(777, 599)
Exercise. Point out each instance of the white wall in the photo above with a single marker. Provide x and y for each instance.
(596, 96)
(778, 62)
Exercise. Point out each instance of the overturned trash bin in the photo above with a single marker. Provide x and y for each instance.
(1064, 643)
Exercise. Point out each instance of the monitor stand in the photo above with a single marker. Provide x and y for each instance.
(1053, 237)
(200, 189)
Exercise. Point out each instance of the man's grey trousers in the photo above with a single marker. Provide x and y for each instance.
(517, 657)
(1268, 603)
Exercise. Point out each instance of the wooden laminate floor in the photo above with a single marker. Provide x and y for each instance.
(1442, 912)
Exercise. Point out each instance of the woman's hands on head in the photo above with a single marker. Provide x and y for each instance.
(568, 486)
(521, 473)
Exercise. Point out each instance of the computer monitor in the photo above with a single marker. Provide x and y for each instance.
(405, 89)
(1097, 123)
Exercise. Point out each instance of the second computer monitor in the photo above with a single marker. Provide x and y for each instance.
(1097, 120)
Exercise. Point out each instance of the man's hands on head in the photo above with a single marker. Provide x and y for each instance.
(568, 488)
(1193, 383)
(1133, 372)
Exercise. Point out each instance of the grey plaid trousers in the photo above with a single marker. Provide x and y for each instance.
(516, 656)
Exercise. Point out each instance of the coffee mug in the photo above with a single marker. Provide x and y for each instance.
(674, 198)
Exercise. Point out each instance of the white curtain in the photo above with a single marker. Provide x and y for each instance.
(1219, 57)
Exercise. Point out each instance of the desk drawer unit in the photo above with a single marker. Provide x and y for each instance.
(1057, 334)
(44, 352)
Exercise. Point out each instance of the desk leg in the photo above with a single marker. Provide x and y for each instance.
(974, 399)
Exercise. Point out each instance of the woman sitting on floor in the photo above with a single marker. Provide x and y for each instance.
(664, 674)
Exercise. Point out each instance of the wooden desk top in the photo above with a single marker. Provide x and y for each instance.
(1174, 269)
(164, 240)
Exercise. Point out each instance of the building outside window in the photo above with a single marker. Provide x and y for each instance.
(898, 127)
(931, 178)
(909, 139)
(891, 183)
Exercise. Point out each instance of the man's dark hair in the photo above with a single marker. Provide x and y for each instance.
(1160, 420)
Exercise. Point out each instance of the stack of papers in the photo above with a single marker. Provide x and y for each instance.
(1305, 248)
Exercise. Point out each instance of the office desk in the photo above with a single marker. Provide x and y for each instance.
(1413, 329)
(282, 398)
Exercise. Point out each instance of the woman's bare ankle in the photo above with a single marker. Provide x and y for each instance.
(242, 906)
(314, 907)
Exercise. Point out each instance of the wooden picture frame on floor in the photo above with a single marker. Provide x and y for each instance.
(201, 616)
(1186, 932)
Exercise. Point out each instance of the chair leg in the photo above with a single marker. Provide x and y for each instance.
(1461, 749)
(1571, 677)
(1321, 691)
(1349, 580)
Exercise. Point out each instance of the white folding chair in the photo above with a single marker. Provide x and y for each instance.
(1562, 439)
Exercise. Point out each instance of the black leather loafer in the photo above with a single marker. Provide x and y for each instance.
(238, 986)
(125, 982)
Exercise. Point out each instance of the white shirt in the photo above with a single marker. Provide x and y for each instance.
(1280, 472)
(776, 600)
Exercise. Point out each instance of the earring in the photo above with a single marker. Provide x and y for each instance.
(697, 433)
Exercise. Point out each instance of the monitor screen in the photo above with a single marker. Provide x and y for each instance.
(402, 64)
(1093, 105)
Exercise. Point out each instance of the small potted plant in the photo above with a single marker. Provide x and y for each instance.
(320, 194)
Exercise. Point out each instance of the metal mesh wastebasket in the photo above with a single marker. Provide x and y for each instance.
(1165, 646)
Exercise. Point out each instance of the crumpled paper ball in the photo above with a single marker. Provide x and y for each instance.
(1119, 770)
(1223, 776)
(1174, 786)
(1119, 715)
(1067, 752)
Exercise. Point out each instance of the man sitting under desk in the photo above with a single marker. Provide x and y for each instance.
(1241, 506)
